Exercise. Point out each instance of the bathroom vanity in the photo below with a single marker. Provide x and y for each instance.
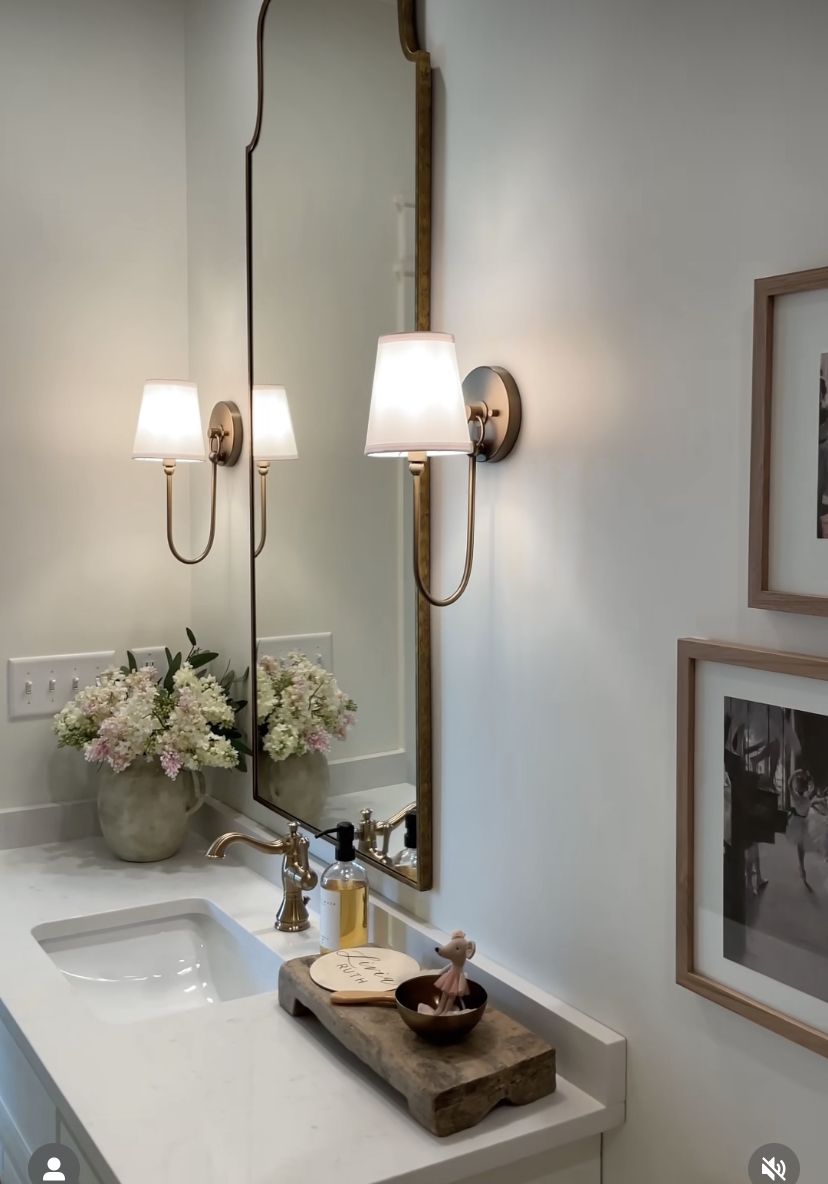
(139, 1025)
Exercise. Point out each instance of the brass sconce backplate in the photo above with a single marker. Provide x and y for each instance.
(226, 423)
(495, 387)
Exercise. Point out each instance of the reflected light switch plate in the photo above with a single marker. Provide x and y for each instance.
(316, 646)
(38, 687)
(151, 655)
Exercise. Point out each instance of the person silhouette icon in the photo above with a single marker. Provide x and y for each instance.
(54, 1163)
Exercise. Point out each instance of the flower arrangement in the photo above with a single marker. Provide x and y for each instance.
(300, 707)
(184, 719)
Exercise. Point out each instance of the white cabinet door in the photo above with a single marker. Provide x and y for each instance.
(28, 1105)
(575, 1163)
(8, 1173)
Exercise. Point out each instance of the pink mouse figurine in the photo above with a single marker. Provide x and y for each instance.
(452, 983)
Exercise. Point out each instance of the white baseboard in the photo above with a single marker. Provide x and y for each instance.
(54, 822)
(356, 773)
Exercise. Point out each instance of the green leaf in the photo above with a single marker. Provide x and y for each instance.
(173, 666)
(191, 637)
(202, 658)
(131, 662)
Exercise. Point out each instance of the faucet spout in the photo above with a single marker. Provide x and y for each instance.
(218, 847)
(297, 876)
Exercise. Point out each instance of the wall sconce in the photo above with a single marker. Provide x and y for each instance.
(419, 408)
(273, 439)
(169, 430)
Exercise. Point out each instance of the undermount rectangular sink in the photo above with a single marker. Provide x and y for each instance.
(137, 963)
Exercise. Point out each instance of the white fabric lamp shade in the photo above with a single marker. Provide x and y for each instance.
(169, 423)
(417, 399)
(273, 437)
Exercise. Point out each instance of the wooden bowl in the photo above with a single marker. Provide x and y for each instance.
(439, 1029)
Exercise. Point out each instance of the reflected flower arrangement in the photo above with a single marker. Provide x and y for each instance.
(300, 707)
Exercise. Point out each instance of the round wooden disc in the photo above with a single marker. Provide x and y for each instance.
(363, 969)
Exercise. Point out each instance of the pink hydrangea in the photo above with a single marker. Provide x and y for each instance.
(171, 763)
(318, 742)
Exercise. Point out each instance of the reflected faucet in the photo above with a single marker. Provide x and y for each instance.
(297, 877)
(369, 830)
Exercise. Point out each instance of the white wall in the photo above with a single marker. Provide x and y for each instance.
(610, 177)
(92, 302)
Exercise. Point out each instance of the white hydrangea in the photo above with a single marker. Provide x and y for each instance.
(127, 717)
(300, 707)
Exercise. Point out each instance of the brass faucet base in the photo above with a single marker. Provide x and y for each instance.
(369, 830)
(297, 877)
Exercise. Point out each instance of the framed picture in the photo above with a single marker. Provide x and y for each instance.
(788, 567)
(752, 835)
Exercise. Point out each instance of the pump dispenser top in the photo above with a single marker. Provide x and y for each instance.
(343, 897)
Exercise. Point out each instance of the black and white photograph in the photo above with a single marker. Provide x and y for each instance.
(776, 843)
(822, 471)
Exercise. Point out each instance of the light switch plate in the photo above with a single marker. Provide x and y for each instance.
(151, 655)
(38, 687)
(316, 646)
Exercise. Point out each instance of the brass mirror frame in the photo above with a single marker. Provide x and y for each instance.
(409, 41)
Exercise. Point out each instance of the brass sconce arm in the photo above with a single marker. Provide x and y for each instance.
(416, 465)
(264, 469)
(225, 438)
(169, 472)
(492, 408)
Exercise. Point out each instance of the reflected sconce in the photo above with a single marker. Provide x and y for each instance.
(273, 439)
(169, 430)
(419, 408)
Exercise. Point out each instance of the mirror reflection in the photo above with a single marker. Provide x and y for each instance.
(333, 268)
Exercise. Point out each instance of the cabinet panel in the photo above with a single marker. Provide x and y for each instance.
(8, 1172)
(575, 1163)
(29, 1106)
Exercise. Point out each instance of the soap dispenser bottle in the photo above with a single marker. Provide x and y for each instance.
(343, 899)
(406, 861)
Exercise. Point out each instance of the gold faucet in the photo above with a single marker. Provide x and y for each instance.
(297, 877)
(369, 830)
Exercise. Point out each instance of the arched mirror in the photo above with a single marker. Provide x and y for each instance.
(338, 186)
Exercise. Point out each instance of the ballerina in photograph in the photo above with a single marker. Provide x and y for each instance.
(775, 847)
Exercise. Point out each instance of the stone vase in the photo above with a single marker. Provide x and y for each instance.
(299, 785)
(144, 814)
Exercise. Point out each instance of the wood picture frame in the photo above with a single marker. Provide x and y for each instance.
(691, 652)
(760, 592)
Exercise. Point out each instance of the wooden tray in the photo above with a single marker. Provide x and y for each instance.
(447, 1089)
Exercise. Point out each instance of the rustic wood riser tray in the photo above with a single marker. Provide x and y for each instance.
(448, 1089)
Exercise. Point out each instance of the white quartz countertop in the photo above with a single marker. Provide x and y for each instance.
(240, 1092)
